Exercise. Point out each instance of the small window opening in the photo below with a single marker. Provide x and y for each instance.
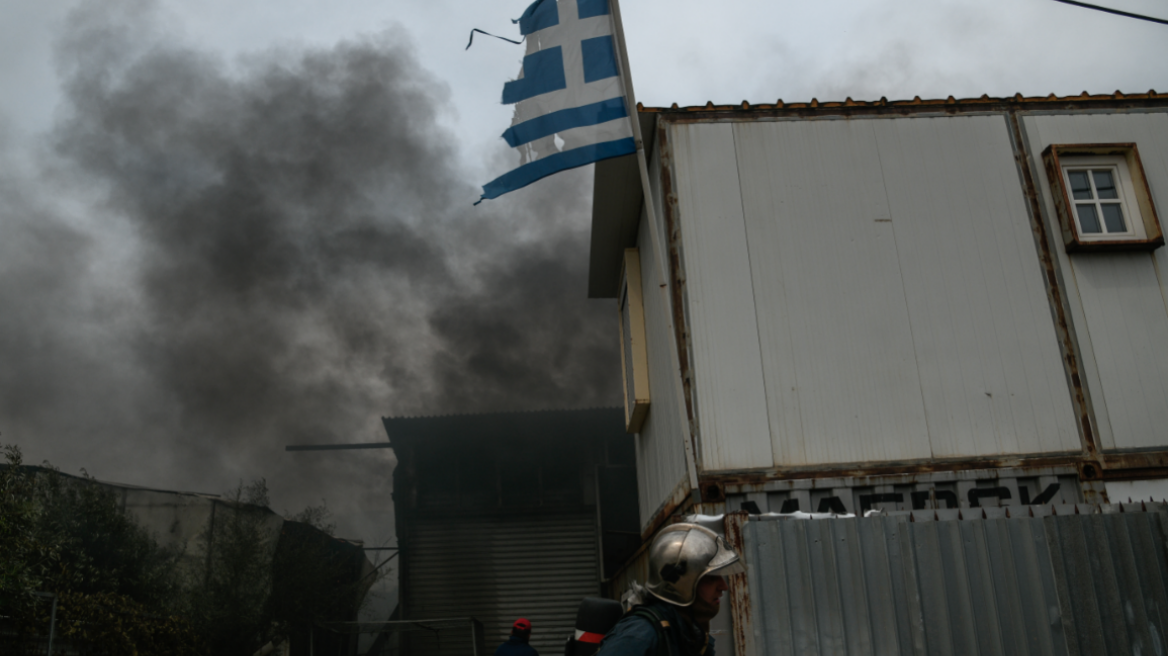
(1098, 204)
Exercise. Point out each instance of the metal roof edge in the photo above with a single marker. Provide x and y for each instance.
(513, 424)
(982, 101)
(114, 484)
(502, 413)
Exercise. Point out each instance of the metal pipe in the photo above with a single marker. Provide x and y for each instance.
(52, 617)
(52, 624)
(338, 447)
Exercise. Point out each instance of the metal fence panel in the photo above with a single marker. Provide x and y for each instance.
(1073, 584)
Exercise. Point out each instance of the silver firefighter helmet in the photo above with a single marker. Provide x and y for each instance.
(681, 555)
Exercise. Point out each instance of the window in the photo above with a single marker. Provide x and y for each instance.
(1102, 197)
(1099, 199)
(634, 357)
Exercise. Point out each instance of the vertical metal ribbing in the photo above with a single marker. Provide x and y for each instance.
(1073, 584)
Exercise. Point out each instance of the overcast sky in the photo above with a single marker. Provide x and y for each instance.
(682, 51)
(227, 226)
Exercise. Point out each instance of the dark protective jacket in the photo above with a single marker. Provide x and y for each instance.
(516, 646)
(634, 635)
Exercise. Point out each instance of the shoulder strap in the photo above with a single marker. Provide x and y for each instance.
(664, 636)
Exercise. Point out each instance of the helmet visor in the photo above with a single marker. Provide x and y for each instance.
(735, 567)
(725, 561)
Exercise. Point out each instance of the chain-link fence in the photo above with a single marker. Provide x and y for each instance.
(26, 640)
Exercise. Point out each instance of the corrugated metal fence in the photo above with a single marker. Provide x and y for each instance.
(1079, 584)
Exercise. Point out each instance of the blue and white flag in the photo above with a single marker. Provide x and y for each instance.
(569, 98)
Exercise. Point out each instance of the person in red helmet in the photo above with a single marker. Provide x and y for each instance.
(517, 645)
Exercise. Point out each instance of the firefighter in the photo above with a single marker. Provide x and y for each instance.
(687, 566)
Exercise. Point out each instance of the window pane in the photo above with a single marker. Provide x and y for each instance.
(1088, 220)
(1080, 187)
(1113, 217)
(1104, 184)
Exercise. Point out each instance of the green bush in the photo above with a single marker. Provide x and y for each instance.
(119, 592)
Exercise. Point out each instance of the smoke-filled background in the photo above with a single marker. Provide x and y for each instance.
(225, 229)
(214, 260)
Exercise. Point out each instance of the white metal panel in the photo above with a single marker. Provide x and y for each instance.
(497, 569)
(660, 452)
(1117, 300)
(727, 364)
(991, 373)
(1128, 328)
(841, 375)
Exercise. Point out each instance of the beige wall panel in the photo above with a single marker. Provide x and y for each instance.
(724, 342)
(1117, 300)
(992, 377)
(841, 377)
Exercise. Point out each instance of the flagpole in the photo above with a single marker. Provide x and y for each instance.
(658, 252)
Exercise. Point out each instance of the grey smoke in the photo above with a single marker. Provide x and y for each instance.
(216, 259)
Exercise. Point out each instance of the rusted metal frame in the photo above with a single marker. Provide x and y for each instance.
(673, 505)
(885, 108)
(741, 619)
(1149, 108)
(1055, 289)
(821, 114)
(1135, 465)
(1134, 473)
(677, 302)
(746, 479)
(1051, 158)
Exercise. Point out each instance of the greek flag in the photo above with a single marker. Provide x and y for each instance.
(569, 98)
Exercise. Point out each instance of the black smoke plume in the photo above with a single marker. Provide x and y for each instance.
(221, 258)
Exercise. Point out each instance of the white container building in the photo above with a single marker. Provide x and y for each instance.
(891, 304)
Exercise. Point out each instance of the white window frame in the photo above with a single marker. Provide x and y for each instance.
(1124, 188)
(1135, 198)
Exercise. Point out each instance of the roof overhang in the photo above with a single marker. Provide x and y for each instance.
(616, 213)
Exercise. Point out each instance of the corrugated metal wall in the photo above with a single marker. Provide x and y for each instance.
(1073, 584)
(1117, 300)
(660, 452)
(726, 364)
(497, 570)
(864, 291)
(843, 384)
